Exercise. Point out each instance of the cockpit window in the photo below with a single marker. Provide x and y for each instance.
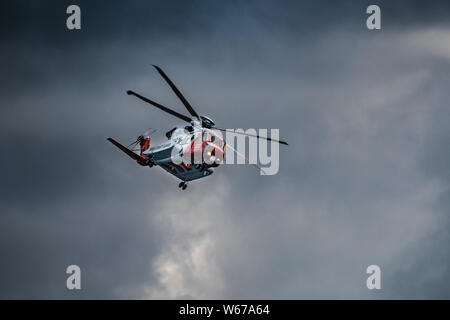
(210, 137)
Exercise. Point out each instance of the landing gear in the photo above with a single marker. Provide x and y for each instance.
(182, 185)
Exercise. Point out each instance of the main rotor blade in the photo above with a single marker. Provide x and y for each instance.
(243, 156)
(252, 135)
(177, 92)
(172, 112)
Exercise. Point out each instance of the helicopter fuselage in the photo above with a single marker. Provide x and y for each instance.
(187, 155)
(191, 152)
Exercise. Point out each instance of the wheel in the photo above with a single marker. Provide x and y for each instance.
(184, 186)
(181, 184)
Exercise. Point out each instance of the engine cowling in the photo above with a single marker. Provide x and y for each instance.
(207, 122)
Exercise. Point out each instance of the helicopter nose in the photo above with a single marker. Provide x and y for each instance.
(216, 156)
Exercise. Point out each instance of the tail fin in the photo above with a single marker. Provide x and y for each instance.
(131, 154)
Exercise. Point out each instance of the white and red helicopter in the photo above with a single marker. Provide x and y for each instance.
(196, 141)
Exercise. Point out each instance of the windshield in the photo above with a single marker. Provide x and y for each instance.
(211, 137)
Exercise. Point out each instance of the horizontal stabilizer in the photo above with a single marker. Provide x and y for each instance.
(130, 153)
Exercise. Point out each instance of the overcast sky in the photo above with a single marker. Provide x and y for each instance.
(364, 181)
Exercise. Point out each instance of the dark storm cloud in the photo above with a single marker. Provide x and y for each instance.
(159, 19)
(365, 180)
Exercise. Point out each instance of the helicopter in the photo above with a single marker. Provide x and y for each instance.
(198, 144)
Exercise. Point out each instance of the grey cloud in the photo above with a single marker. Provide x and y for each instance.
(364, 181)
